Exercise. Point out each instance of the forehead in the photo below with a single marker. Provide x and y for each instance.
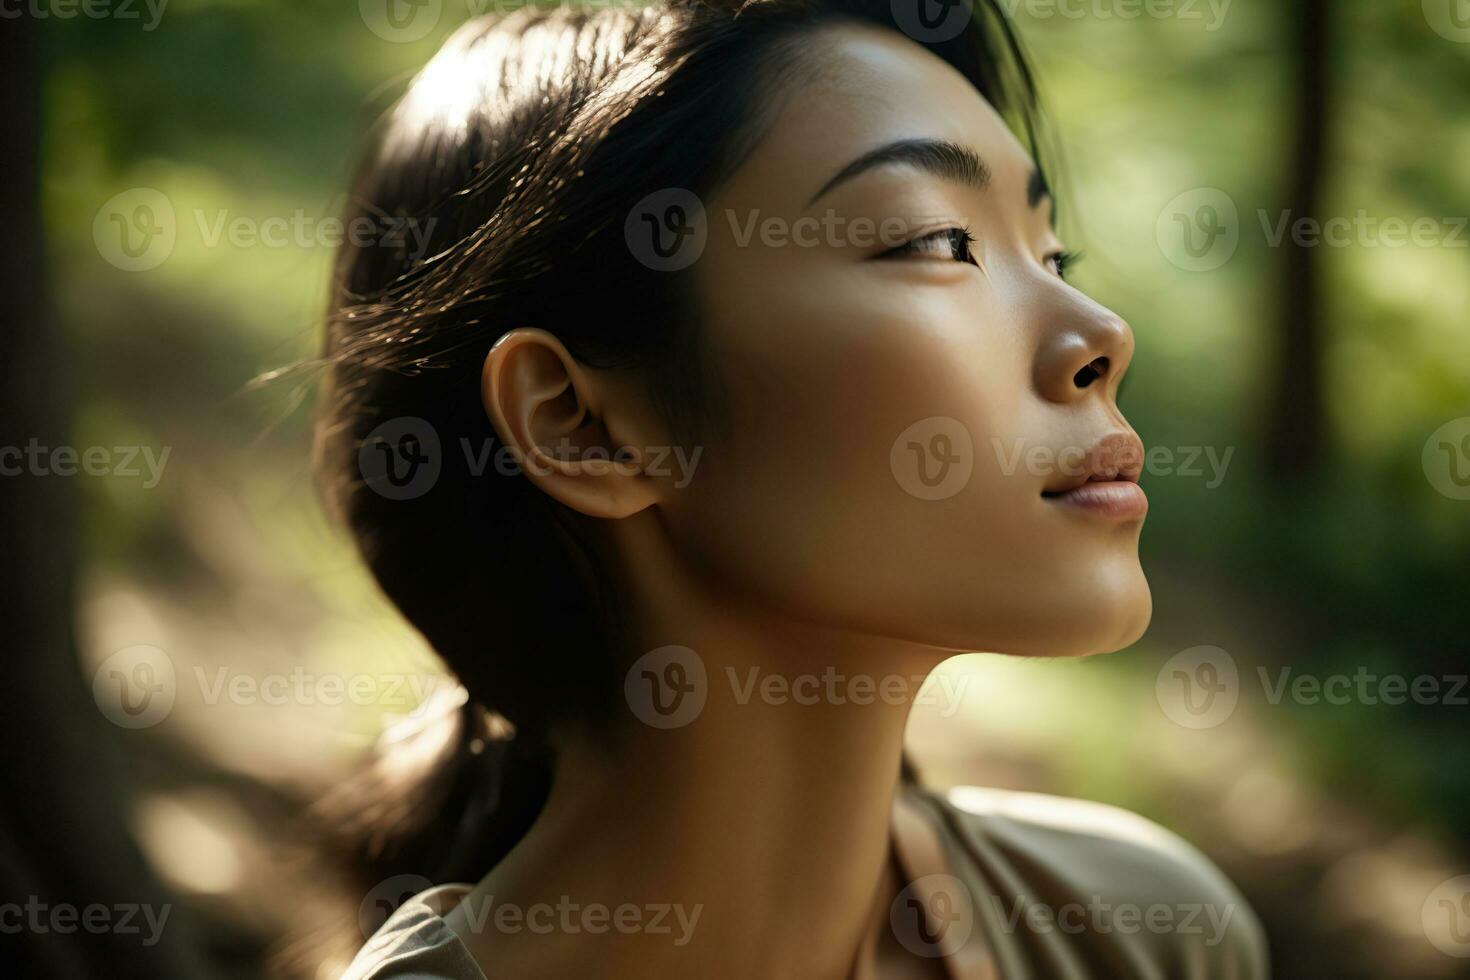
(869, 87)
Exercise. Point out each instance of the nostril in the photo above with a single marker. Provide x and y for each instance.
(1090, 372)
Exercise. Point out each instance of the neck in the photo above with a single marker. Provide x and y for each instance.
(756, 830)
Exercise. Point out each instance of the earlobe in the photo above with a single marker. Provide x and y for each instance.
(555, 417)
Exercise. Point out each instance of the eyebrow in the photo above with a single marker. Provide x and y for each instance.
(942, 158)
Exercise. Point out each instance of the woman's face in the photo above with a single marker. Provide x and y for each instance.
(908, 410)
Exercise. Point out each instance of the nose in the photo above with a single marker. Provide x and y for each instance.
(1084, 353)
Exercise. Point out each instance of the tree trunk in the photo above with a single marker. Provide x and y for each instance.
(1297, 427)
(65, 846)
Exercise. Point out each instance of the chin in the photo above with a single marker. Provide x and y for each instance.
(1083, 609)
(1128, 608)
(1111, 613)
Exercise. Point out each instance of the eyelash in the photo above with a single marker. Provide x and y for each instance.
(960, 240)
(1065, 261)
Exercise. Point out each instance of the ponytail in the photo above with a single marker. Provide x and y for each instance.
(445, 794)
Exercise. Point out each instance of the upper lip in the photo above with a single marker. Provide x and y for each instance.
(1117, 456)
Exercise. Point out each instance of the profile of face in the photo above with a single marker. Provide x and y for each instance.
(912, 387)
(920, 439)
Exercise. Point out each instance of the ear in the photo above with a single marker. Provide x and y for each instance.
(567, 426)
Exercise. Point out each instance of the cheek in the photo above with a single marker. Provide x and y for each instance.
(862, 449)
(874, 477)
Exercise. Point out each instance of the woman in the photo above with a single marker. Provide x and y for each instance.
(739, 385)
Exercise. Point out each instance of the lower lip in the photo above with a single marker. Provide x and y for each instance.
(1117, 500)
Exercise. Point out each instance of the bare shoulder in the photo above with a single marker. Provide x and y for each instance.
(1111, 874)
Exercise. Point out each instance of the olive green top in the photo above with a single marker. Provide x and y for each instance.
(1001, 886)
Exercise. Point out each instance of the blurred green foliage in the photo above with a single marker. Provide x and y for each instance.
(256, 110)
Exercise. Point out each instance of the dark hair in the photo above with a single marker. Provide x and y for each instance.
(520, 150)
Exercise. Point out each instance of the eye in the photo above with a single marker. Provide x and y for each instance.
(1061, 262)
(947, 243)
